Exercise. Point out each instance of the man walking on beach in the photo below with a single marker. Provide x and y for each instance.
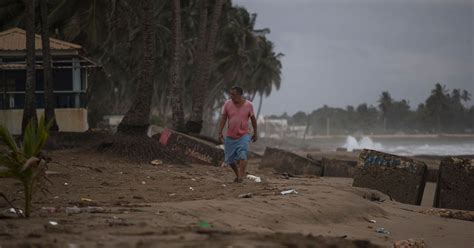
(236, 112)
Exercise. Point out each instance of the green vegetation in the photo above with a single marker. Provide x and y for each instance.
(442, 112)
(26, 163)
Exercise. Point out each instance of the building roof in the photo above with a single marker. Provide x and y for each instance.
(15, 39)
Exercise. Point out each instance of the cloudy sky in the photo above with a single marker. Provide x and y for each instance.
(346, 52)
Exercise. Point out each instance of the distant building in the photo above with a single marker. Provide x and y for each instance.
(69, 69)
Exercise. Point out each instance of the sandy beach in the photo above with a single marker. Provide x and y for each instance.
(142, 205)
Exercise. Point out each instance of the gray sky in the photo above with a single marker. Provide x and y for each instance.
(346, 52)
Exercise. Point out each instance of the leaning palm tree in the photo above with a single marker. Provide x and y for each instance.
(175, 71)
(29, 108)
(49, 99)
(137, 119)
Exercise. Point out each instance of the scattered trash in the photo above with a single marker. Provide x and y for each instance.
(53, 223)
(48, 210)
(56, 197)
(246, 195)
(223, 185)
(66, 184)
(73, 210)
(382, 230)
(255, 178)
(12, 213)
(76, 210)
(204, 224)
(93, 210)
(156, 162)
(369, 220)
(172, 194)
(143, 182)
(191, 188)
(193, 179)
(291, 191)
(86, 199)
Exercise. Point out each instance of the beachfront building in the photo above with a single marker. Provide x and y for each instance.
(69, 69)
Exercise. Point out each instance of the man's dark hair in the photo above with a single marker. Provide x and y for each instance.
(238, 89)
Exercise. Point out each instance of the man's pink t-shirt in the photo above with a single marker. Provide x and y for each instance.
(237, 118)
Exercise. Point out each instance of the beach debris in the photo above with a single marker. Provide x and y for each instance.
(455, 184)
(254, 178)
(189, 149)
(284, 161)
(204, 224)
(373, 196)
(143, 182)
(156, 162)
(410, 243)
(11, 213)
(172, 194)
(450, 213)
(93, 210)
(53, 223)
(86, 199)
(191, 188)
(246, 195)
(48, 210)
(338, 167)
(384, 172)
(72, 210)
(290, 191)
(89, 209)
(223, 185)
(66, 184)
(382, 230)
(370, 220)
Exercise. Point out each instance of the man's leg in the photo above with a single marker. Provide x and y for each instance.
(234, 168)
(242, 167)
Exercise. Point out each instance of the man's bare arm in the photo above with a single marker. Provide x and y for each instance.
(221, 127)
(254, 125)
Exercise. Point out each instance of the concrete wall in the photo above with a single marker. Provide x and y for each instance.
(69, 120)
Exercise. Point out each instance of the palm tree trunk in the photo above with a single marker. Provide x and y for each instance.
(259, 105)
(137, 119)
(194, 125)
(49, 100)
(177, 118)
(29, 109)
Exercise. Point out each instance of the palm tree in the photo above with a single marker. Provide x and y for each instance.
(49, 99)
(175, 71)
(29, 109)
(385, 106)
(437, 105)
(137, 119)
(266, 72)
(194, 125)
